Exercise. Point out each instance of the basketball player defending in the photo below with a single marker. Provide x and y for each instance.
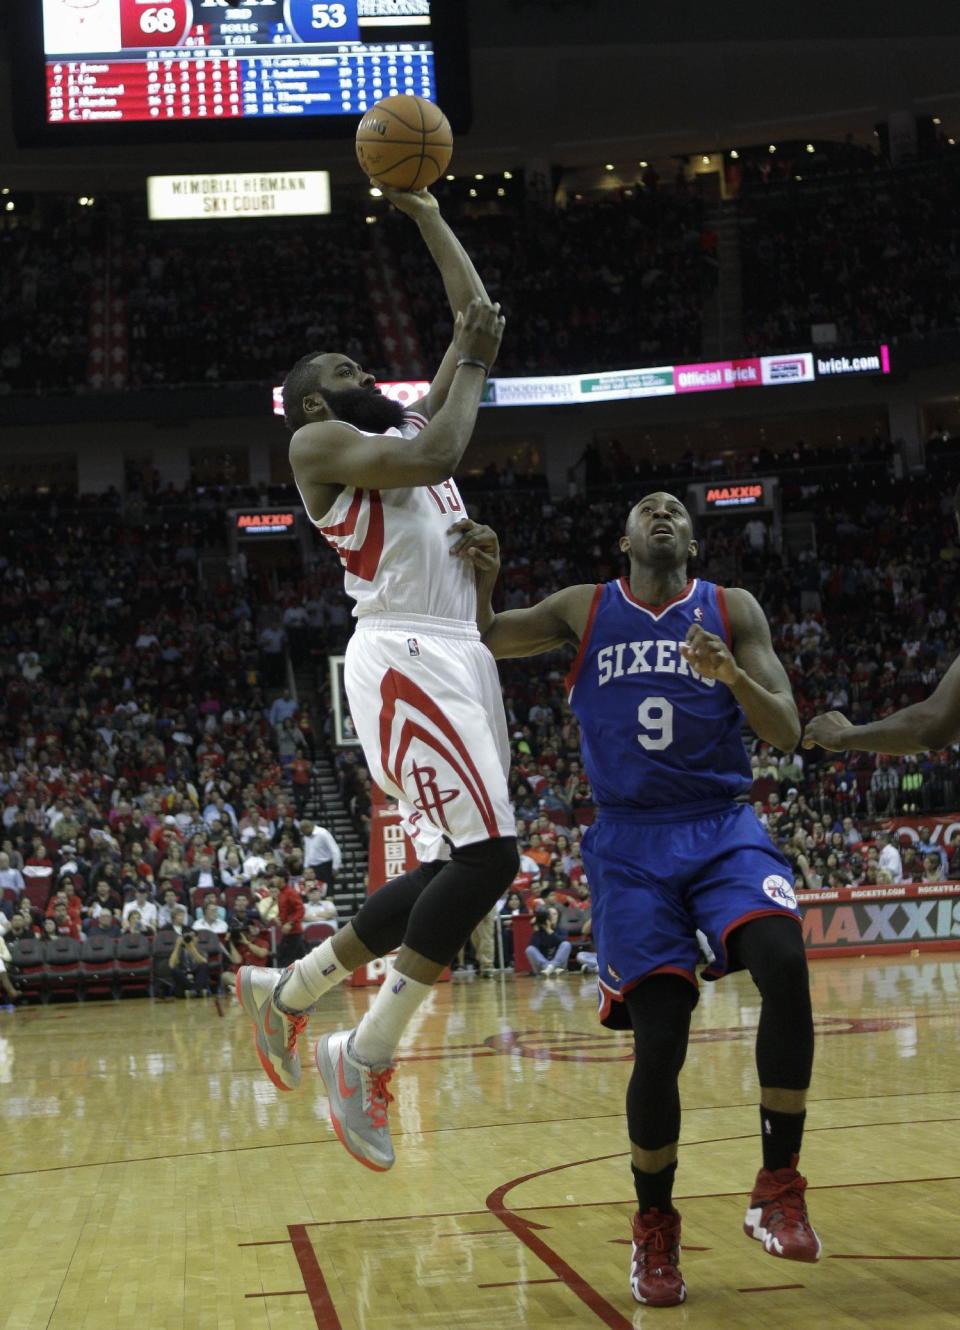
(423, 690)
(667, 669)
(927, 726)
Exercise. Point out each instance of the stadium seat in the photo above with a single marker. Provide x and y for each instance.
(163, 945)
(199, 894)
(37, 893)
(231, 894)
(134, 962)
(314, 934)
(31, 968)
(64, 972)
(98, 965)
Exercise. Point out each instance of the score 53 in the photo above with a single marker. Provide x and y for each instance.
(322, 20)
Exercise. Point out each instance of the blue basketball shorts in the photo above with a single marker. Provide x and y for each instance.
(658, 877)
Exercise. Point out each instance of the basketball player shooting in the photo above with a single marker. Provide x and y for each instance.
(667, 669)
(926, 726)
(423, 690)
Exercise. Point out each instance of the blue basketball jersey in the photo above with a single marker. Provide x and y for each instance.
(654, 734)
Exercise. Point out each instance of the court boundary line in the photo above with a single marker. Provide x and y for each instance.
(333, 1140)
(326, 1316)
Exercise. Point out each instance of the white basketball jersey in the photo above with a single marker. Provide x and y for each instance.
(394, 546)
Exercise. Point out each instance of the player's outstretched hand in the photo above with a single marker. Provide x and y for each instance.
(709, 655)
(477, 544)
(479, 331)
(830, 731)
(416, 203)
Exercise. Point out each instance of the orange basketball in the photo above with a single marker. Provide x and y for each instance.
(404, 142)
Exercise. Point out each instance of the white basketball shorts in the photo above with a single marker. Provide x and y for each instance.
(426, 703)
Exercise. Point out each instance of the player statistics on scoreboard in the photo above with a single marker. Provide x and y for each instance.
(120, 60)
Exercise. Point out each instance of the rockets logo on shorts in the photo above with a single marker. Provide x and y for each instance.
(780, 891)
(431, 798)
(413, 646)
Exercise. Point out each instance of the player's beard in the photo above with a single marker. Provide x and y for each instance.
(365, 408)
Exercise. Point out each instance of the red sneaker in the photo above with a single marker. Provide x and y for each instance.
(777, 1216)
(655, 1277)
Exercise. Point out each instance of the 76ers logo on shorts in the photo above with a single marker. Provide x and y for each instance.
(431, 798)
(780, 891)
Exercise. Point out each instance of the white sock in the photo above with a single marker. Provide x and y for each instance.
(312, 976)
(380, 1030)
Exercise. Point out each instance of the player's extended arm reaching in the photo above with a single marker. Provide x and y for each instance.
(751, 670)
(461, 280)
(931, 724)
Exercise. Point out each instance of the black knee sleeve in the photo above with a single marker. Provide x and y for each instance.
(660, 1009)
(465, 889)
(771, 948)
(382, 919)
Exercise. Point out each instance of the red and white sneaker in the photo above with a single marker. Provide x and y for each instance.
(777, 1216)
(655, 1277)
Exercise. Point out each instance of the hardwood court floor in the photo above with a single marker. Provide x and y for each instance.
(153, 1178)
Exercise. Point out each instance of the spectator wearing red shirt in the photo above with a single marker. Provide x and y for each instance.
(62, 924)
(38, 869)
(290, 906)
(69, 901)
(300, 776)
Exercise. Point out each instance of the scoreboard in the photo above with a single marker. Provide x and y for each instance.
(200, 59)
(205, 65)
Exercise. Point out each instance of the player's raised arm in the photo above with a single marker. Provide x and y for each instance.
(558, 621)
(329, 452)
(751, 670)
(929, 725)
(460, 278)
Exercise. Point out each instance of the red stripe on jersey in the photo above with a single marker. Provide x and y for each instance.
(574, 670)
(349, 524)
(724, 615)
(396, 687)
(655, 610)
(363, 561)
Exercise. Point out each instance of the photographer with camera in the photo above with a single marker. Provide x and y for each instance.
(549, 949)
(188, 965)
(245, 944)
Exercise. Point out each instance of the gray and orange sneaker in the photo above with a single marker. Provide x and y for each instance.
(359, 1100)
(276, 1029)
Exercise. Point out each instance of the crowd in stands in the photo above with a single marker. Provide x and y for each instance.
(142, 764)
(49, 268)
(598, 286)
(203, 308)
(876, 254)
